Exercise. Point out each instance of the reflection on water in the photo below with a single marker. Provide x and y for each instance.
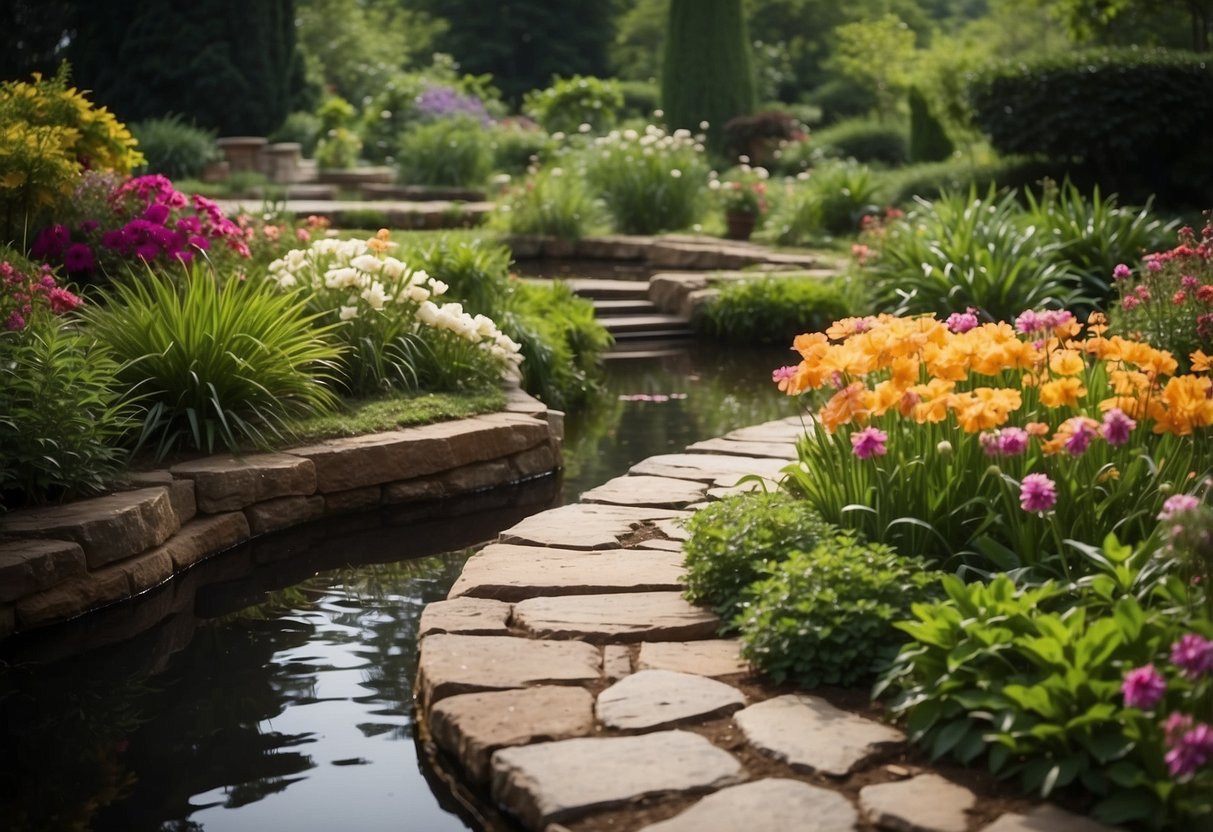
(271, 687)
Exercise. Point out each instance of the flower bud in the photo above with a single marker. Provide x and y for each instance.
(944, 449)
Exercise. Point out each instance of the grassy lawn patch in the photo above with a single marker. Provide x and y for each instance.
(399, 410)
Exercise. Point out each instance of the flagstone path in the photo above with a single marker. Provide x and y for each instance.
(570, 684)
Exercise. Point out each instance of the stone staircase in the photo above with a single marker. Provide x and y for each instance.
(624, 308)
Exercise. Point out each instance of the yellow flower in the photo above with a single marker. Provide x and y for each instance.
(852, 403)
(1062, 392)
(984, 407)
(1066, 362)
(1200, 362)
(1187, 405)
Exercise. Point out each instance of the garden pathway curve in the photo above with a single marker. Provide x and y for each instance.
(567, 683)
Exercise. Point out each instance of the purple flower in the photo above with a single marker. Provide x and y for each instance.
(1193, 654)
(156, 213)
(1012, 441)
(1143, 687)
(960, 322)
(1037, 493)
(1028, 322)
(869, 442)
(15, 321)
(50, 243)
(1193, 750)
(1117, 426)
(147, 251)
(1076, 443)
(1178, 504)
(78, 258)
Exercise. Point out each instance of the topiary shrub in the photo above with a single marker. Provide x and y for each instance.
(825, 615)
(841, 99)
(864, 141)
(572, 102)
(771, 310)
(733, 542)
(173, 148)
(929, 142)
(1132, 114)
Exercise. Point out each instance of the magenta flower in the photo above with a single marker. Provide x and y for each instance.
(1143, 687)
(960, 322)
(1193, 654)
(1012, 441)
(1037, 493)
(1176, 726)
(1177, 504)
(1193, 750)
(1028, 322)
(1121, 272)
(15, 321)
(78, 258)
(869, 442)
(1117, 426)
(1130, 303)
(783, 374)
(1076, 443)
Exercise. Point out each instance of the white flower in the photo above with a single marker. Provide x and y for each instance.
(704, 125)
(558, 136)
(418, 277)
(658, 113)
(367, 263)
(485, 326)
(417, 294)
(394, 269)
(439, 288)
(745, 160)
(583, 127)
(340, 278)
(676, 173)
(714, 184)
(286, 280)
(557, 171)
(682, 133)
(375, 295)
(501, 179)
(427, 313)
(278, 265)
(630, 135)
(348, 313)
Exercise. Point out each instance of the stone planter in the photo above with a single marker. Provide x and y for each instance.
(740, 224)
(241, 152)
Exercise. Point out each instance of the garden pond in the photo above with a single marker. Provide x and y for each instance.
(279, 696)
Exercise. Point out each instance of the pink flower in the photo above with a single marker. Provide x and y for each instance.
(1193, 654)
(1121, 272)
(1176, 725)
(78, 258)
(62, 300)
(15, 321)
(782, 374)
(869, 442)
(1037, 493)
(1130, 303)
(1193, 750)
(1189, 282)
(1143, 687)
(1012, 441)
(1028, 322)
(960, 322)
(1076, 443)
(1117, 426)
(1177, 504)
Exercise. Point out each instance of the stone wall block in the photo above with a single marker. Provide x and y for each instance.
(355, 499)
(538, 460)
(374, 459)
(147, 570)
(107, 528)
(477, 477)
(410, 491)
(79, 595)
(29, 566)
(205, 536)
(8, 620)
(181, 496)
(230, 483)
(283, 512)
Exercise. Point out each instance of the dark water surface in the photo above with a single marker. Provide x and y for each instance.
(271, 687)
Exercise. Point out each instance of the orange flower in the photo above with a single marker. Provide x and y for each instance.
(1188, 406)
(984, 407)
(1062, 392)
(852, 403)
(1036, 429)
(1066, 362)
(1097, 323)
(1200, 362)
(845, 328)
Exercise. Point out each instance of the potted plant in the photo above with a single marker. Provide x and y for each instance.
(743, 195)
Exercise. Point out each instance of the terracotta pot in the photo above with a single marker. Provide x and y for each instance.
(741, 224)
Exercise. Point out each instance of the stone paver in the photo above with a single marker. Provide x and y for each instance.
(651, 699)
(583, 526)
(616, 661)
(229, 483)
(621, 618)
(810, 734)
(926, 803)
(672, 529)
(1046, 818)
(781, 430)
(511, 572)
(660, 544)
(662, 492)
(471, 726)
(730, 447)
(771, 805)
(716, 469)
(557, 781)
(453, 664)
(710, 657)
(29, 566)
(465, 616)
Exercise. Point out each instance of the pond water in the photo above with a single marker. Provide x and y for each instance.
(275, 689)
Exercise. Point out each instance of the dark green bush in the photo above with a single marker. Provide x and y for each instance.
(864, 141)
(932, 179)
(302, 127)
(737, 540)
(771, 310)
(571, 102)
(841, 98)
(449, 151)
(639, 99)
(515, 145)
(1134, 115)
(825, 615)
(562, 341)
(834, 201)
(173, 148)
(929, 142)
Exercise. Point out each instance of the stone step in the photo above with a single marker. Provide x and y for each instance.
(596, 288)
(645, 324)
(609, 308)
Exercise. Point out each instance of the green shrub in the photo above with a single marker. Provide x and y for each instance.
(825, 616)
(735, 541)
(833, 201)
(864, 141)
(842, 98)
(771, 310)
(551, 202)
(338, 149)
(1030, 678)
(561, 339)
(1131, 114)
(476, 271)
(301, 127)
(929, 141)
(214, 365)
(516, 146)
(572, 102)
(932, 179)
(335, 112)
(640, 99)
(650, 181)
(962, 251)
(60, 415)
(173, 148)
(792, 158)
(455, 152)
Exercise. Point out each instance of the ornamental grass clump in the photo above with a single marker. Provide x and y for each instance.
(995, 445)
(396, 336)
(550, 203)
(650, 180)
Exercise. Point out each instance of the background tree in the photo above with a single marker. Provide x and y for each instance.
(524, 43)
(33, 36)
(706, 73)
(878, 55)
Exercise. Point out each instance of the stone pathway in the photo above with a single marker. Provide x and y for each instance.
(568, 683)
